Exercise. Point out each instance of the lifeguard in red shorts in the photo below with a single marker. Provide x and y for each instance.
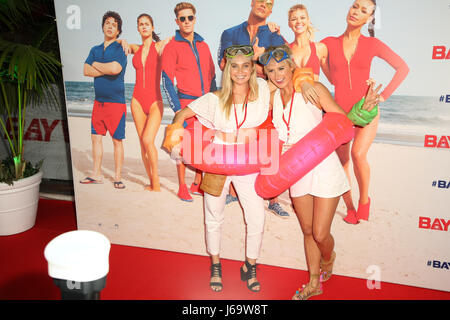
(106, 63)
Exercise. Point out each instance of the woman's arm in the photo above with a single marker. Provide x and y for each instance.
(396, 62)
(272, 95)
(161, 44)
(303, 80)
(326, 101)
(175, 131)
(128, 48)
(322, 54)
(182, 115)
(328, 104)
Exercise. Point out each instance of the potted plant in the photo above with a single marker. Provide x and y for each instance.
(29, 69)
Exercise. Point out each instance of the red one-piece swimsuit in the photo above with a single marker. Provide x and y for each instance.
(147, 88)
(313, 60)
(349, 77)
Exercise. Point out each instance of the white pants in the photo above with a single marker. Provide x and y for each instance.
(254, 214)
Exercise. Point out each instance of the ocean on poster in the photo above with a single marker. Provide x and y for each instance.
(405, 120)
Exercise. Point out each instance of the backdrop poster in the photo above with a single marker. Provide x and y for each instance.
(406, 239)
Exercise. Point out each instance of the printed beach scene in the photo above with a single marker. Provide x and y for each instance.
(405, 120)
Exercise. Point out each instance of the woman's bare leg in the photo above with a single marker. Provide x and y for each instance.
(148, 139)
(360, 148)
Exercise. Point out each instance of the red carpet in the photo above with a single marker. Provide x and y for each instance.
(144, 274)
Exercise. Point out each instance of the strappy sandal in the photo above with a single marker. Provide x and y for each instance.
(326, 275)
(119, 185)
(216, 271)
(250, 274)
(307, 290)
(89, 180)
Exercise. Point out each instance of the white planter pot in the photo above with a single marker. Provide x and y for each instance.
(18, 204)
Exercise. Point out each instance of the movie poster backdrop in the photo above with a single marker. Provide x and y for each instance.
(406, 239)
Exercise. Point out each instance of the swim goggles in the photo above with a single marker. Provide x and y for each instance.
(278, 54)
(268, 3)
(234, 50)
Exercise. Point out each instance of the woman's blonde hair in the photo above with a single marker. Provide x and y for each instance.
(226, 93)
(311, 30)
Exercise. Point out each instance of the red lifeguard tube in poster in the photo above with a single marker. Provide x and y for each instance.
(236, 159)
(334, 130)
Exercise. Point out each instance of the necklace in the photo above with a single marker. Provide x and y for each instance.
(290, 113)
(244, 106)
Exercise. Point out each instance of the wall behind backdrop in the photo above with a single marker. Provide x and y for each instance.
(406, 239)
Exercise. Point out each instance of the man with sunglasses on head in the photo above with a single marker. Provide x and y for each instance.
(254, 32)
(187, 59)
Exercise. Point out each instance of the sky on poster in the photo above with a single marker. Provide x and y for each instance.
(410, 27)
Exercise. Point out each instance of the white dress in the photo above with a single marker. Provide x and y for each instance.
(209, 113)
(328, 178)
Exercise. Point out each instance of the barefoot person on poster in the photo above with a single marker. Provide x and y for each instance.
(187, 59)
(106, 63)
(146, 103)
(259, 34)
(347, 64)
(315, 196)
(238, 107)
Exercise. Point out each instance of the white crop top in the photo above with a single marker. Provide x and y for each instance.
(209, 112)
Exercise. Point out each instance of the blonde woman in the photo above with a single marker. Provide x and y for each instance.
(241, 105)
(315, 196)
(305, 52)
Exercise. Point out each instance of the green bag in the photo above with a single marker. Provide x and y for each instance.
(361, 117)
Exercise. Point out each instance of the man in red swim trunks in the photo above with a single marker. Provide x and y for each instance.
(187, 59)
(106, 63)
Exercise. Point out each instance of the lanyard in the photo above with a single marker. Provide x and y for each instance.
(290, 113)
(238, 126)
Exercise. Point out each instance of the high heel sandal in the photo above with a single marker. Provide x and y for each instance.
(216, 271)
(351, 217)
(363, 211)
(326, 275)
(250, 274)
(307, 290)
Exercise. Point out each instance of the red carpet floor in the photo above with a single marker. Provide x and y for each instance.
(144, 274)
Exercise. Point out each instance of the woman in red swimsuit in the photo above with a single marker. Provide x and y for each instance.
(305, 53)
(347, 66)
(146, 103)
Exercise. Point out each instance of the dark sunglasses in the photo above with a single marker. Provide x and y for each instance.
(233, 51)
(278, 54)
(183, 19)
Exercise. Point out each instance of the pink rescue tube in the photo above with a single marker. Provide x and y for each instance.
(238, 159)
(334, 130)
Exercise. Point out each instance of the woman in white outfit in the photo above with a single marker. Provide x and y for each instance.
(238, 107)
(316, 195)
